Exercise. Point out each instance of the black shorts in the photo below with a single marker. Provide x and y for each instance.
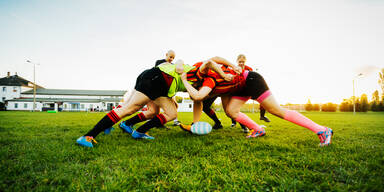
(151, 82)
(255, 86)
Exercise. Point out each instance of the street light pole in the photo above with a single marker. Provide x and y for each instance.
(34, 85)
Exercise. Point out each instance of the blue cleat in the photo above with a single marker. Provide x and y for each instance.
(325, 137)
(126, 128)
(138, 135)
(86, 141)
(109, 130)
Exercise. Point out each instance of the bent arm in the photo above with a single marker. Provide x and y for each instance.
(225, 62)
(196, 95)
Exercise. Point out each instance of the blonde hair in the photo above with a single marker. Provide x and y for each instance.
(241, 56)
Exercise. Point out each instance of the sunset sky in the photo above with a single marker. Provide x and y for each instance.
(304, 49)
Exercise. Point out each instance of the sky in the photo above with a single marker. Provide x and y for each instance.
(304, 49)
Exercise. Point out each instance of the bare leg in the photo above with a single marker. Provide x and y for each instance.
(295, 117)
(170, 113)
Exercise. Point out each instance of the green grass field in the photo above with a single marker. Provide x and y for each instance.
(38, 153)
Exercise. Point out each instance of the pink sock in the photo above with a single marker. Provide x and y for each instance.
(245, 120)
(299, 119)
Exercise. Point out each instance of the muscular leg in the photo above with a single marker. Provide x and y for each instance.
(295, 117)
(170, 113)
(153, 110)
(137, 101)
(233, 111)
(211, 113)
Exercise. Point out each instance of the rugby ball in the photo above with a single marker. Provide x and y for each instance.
(201, 128)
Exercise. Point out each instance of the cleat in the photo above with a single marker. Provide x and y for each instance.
(109, 130)
(176, 123)
(138, 135)
(85, 141)
(245, 130)
(186, 128)
(325, 137)
(254, 133)
(126, 128)
(217, 126)
(233, 125)
(265, 119)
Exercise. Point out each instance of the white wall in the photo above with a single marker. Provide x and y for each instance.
(185, 106)
(23, 106)
(9, 92)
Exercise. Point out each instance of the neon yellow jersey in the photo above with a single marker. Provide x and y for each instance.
(177, 84)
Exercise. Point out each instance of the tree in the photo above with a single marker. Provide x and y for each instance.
(316, 107)
(381, 80)
(179, 99)
(346, 105)
(375, 101)
(308, 106)
(329, 107)
(364, 103)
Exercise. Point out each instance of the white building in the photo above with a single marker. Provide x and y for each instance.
(185, 106)
(17, 94)
(67, 100)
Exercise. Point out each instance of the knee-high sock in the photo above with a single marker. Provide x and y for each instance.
(211, 114)
(262, 112)
(136, 119)
(106, 122)
(299, 119)
(245, 120)
(233, 121)
(157, 121)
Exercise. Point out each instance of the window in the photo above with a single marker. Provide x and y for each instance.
(25, 105)
(16, 105)
(65, 106)
(190, 105)
(4, 89)
(3, 99)
(82, 106)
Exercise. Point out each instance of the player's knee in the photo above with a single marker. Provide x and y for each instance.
(171, 115)
(276, 111)
(231, 113)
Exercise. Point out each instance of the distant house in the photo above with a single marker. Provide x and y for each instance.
(17, 95)
(12, 86)
(185, 106)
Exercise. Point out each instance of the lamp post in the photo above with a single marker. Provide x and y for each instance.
(34, 83)
(354, 99)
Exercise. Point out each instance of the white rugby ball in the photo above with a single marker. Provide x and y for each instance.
(201, 128)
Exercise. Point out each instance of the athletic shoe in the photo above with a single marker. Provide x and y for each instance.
(265, 119)
(176, 123)
(217, 126)
(245, 129)
(86, 141)
(325, 137)
(233, 125)
(186, 128)
(138, 135)
(126, 128)
(254, 133)
(109, 130)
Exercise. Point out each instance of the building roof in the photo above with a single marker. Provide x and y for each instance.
(70, 100)
(15, 80)
(76, 92)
